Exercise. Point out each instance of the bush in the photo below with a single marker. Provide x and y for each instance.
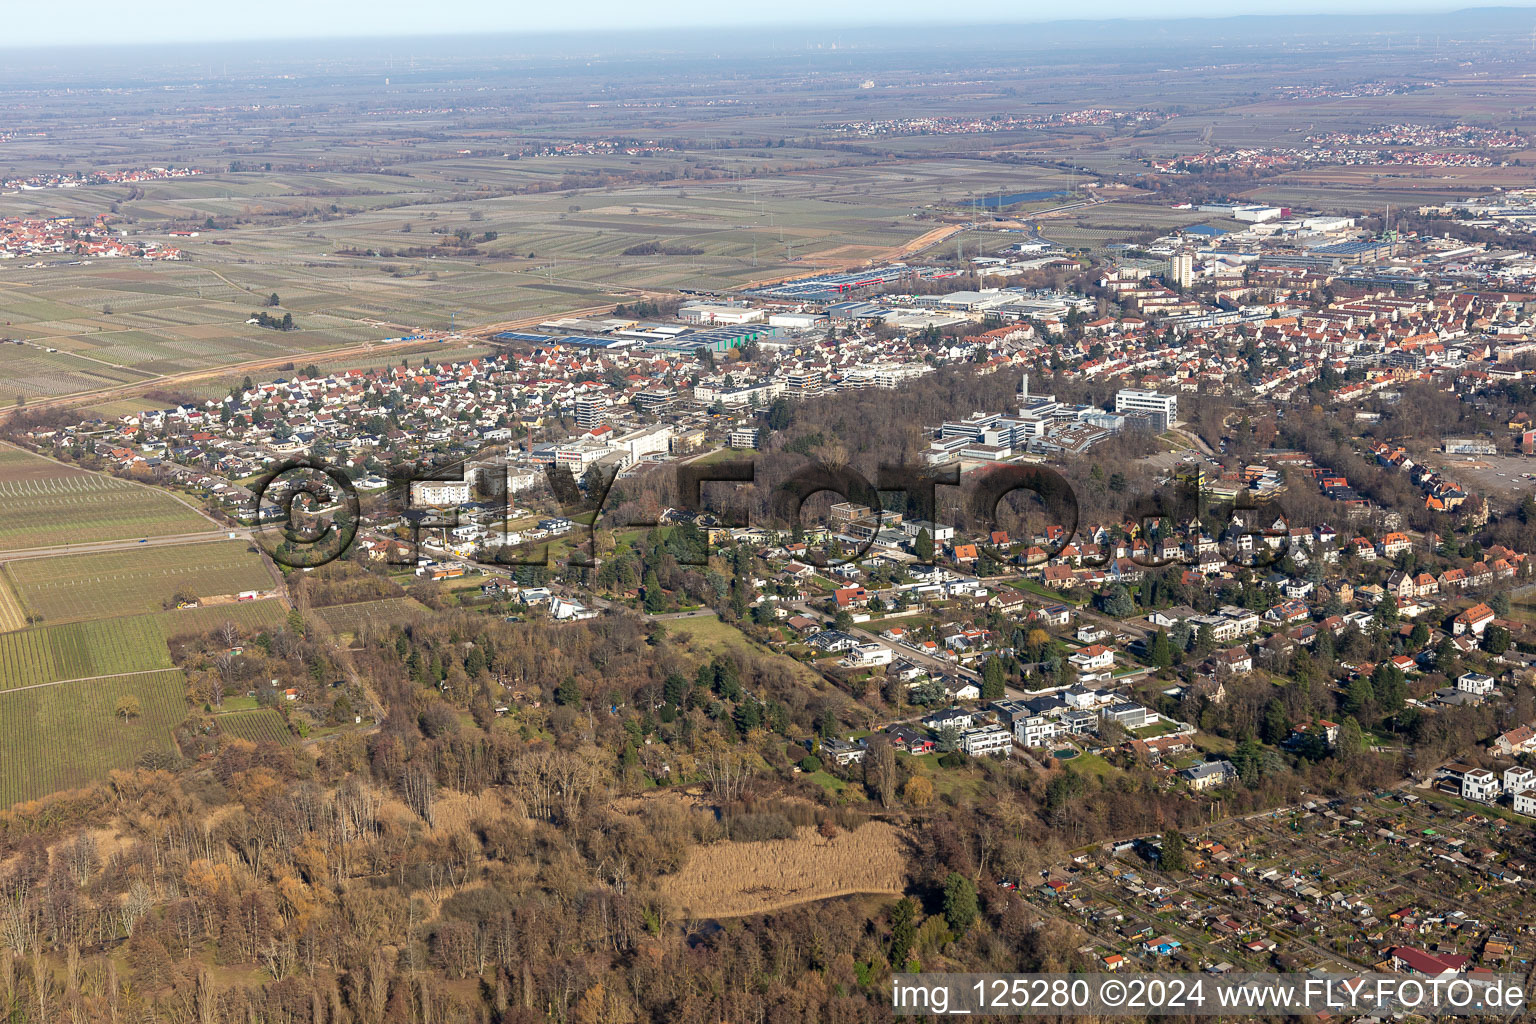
(810, 763)
(756, 826)
(953, 759)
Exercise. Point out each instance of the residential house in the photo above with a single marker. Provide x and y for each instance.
(1036, 730)
(1481, 785)
(1233, 660)
(1518, 779)
(1475, 682)
(950, 718)
(987, 740)
(1519, 740)
(850, 597)
(842, 751)
(904, 737)
(1474, 620)
(1209, 775)
(1093, 658)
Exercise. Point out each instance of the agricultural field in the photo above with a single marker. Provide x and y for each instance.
(81, 650)
(71, 588)
(44, 503)
(264, 725)
(11, 615)
(351, 618)
(735, 879)
(65, 736)
(248, 617)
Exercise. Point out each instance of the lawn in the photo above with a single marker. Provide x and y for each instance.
(1091, 765)
(1059, 596)
(48, 504)
(69, 588)
(830, 783)
(65, 736)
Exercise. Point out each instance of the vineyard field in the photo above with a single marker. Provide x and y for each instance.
(65, 736)
(264, 725)
(248, 616)
(70, 588)
(80, 650)
(47, 504)
(350, 618)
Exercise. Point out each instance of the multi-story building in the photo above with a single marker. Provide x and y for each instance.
(439, 492)
(1181, 269)
(802, 384)
(591, 410)
(1475, 682)
(1131, 400)
(989, 740)
(1481, 785)
(1036, 730)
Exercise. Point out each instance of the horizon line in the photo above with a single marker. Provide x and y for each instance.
(961, 21)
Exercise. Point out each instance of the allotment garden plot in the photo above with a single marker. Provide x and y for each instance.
(43, 504)
(65, 736)
(69, 588)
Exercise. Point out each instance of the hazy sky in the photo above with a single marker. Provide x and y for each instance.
(151, 21)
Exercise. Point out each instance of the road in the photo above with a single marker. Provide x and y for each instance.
(135, 544)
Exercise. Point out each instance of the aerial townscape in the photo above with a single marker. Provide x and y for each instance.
(510, 527)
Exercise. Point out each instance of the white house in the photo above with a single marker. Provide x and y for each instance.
(1475, 682)
(1525, 802)
(1518, 779)
(988, 740)
(1093, 658)
(564, 610)
(868, 654)
(1481, 785)
(1036, 730)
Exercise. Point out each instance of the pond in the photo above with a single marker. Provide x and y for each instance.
(1064, 755)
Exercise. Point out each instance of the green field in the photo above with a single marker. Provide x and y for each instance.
(261, 726)
(65, 736)
(44, 503)
(80, 650)
(70, 588)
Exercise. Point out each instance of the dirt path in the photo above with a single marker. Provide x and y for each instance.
(86, 679)
(824, 265)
